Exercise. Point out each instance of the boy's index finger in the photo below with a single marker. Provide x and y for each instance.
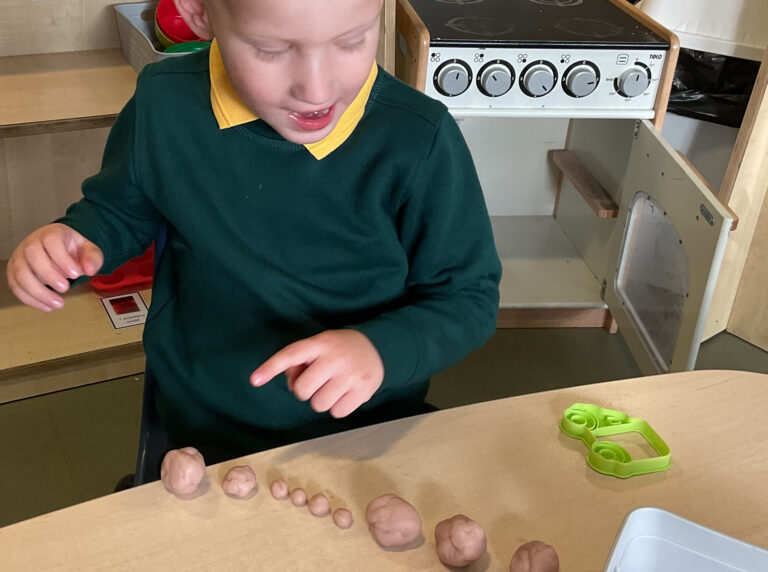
(297, 353)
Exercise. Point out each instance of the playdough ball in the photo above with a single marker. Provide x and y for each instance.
(239, 481)
(535, 556)
(342, 518)
(299, 497)
(182, 470)
(319, 505)
(279, 489)
(392, 521)
(459, 540)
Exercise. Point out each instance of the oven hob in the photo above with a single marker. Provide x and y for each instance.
(561, 58)
(565, 23)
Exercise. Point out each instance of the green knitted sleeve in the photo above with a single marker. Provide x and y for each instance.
(114, 213)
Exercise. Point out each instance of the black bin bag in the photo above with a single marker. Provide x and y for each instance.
(712, 87)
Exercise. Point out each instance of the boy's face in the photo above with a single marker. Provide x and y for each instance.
(297, 64)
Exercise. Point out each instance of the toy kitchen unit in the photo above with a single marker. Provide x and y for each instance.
(597, 220)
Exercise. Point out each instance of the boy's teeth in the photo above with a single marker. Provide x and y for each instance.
(313, 114)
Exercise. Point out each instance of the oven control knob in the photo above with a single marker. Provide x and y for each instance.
(453, 77)
(539, 78)
(634, 81)
(581, 79)
(496, 78)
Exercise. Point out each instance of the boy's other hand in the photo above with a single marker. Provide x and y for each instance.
(42, 263)
(337, 370)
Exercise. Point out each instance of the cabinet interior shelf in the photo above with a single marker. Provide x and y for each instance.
(540, 267)
(46, 93)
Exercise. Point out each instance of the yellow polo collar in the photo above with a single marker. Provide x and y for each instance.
(230, 110)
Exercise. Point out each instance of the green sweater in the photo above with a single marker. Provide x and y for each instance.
(389, 235)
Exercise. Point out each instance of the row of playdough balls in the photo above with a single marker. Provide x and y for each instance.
(393, 522)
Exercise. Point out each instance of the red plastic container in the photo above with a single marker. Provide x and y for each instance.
(172, 25)
(136, 274)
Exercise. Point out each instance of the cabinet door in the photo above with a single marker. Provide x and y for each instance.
(664, 254)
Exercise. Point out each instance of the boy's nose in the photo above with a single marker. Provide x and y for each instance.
(312, 83)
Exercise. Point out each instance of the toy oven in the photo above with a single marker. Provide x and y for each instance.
(597, 220)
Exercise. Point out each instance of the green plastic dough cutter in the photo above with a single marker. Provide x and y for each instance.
(590, 422)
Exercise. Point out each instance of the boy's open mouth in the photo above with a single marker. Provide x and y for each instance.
(313, 114)
(313, 120)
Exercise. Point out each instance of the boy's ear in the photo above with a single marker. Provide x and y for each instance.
(195, 16)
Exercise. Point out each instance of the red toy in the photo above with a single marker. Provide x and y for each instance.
(171, 24)
(136, 274)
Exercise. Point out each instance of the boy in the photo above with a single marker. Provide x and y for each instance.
(324, 222)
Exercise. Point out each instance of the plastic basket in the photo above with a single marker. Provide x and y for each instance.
(136, 25)
(737, 28)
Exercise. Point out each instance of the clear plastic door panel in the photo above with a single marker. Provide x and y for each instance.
(653, 278)
(667, 248)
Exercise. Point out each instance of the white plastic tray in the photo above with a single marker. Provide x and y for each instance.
(654, 540)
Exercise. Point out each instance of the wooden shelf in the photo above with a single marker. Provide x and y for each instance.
(44, 352)
(46, 93)
(589, 188)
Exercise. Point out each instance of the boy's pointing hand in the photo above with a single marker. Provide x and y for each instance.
(337, 370)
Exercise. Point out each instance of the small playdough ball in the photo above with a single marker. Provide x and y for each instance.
(534, 556)
(392, 521)
(279, 489)
(319, 505)
(299, 497)
(342, 518)
(182, 470)
(459, 540)
(239, 481)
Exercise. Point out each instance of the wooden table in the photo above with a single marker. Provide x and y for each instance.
(504, 463)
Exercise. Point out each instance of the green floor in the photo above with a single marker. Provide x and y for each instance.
(68, 447)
